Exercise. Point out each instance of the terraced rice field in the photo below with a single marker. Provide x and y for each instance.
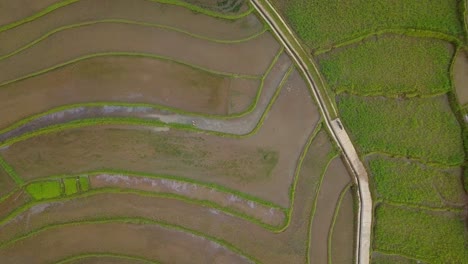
(398, 70)
(162, 132)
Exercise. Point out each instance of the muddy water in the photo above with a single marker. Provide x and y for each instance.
(11, 11)
(343, 237)
(264, 213)
(128, 80)
(334, 181)
(289, 246)
(460, 76)
(262, 165)
(138, 11)
(150, 241)
(252, 57)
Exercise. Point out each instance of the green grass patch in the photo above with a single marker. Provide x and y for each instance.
(71, 186)
(424, 129)
(434, 237)
(391, 66)
(402, 181)
(44, 190)
(322, 23)
(84, 183)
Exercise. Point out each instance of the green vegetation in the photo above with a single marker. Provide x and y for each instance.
(425, 129)
(390, 66)
(130, 258)
(44, 189)
(323, 23)
(84, 183)
(70, 185)
(382, 258)
(435, 237)
(10, 171)
(413, 183)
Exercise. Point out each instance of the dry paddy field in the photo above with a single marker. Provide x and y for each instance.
(162, 132)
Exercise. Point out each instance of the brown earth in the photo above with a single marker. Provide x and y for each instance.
(239, 125)
(14, 201)
(266, 214)
(334, 181)
(6, 183)
(149, 241)
(343, 237)
(261, 165)
(116, 37)
(128, 80)
(289, 246)
(11, 11)
(227, 6)
(139, 11)
(107, 260)
(460, 77)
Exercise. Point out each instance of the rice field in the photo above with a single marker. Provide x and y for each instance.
(161, 131)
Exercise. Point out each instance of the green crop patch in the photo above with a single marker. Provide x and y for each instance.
(44, 189)
(433, 237)
(390, 66)
(424, 129)
(84, 183)
(413, 183)
(322, 23)
(71, 186)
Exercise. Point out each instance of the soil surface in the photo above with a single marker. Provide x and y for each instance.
(264, 213)
(460, 77)
(19, 9)
(127, 80)
(149, 241)
(116, 37)
(262, 165)
(343, 237)
(139, 11)
(289, 246)
(6, 183)
(334, 181)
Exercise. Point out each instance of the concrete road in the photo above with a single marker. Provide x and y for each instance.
(339, 134)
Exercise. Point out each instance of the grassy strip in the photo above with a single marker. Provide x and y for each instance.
(369, 68)
(335, 216)
(332, 156)
(373, 122)
(414, 183)
(408, 32)
(434, 237)
(130, 54)
(10, 171)
(216, 187)
(44, 190)
(205, 203)
(296, 44)
(144, 122)
(391, 258)
(293, 187)
(137, 221)
(324, 22)
(460, 113)
(71, 185)
(105, 255)
(64, 3)
(37, 15)
(420, 207)
(249, 110)
(124, 21)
